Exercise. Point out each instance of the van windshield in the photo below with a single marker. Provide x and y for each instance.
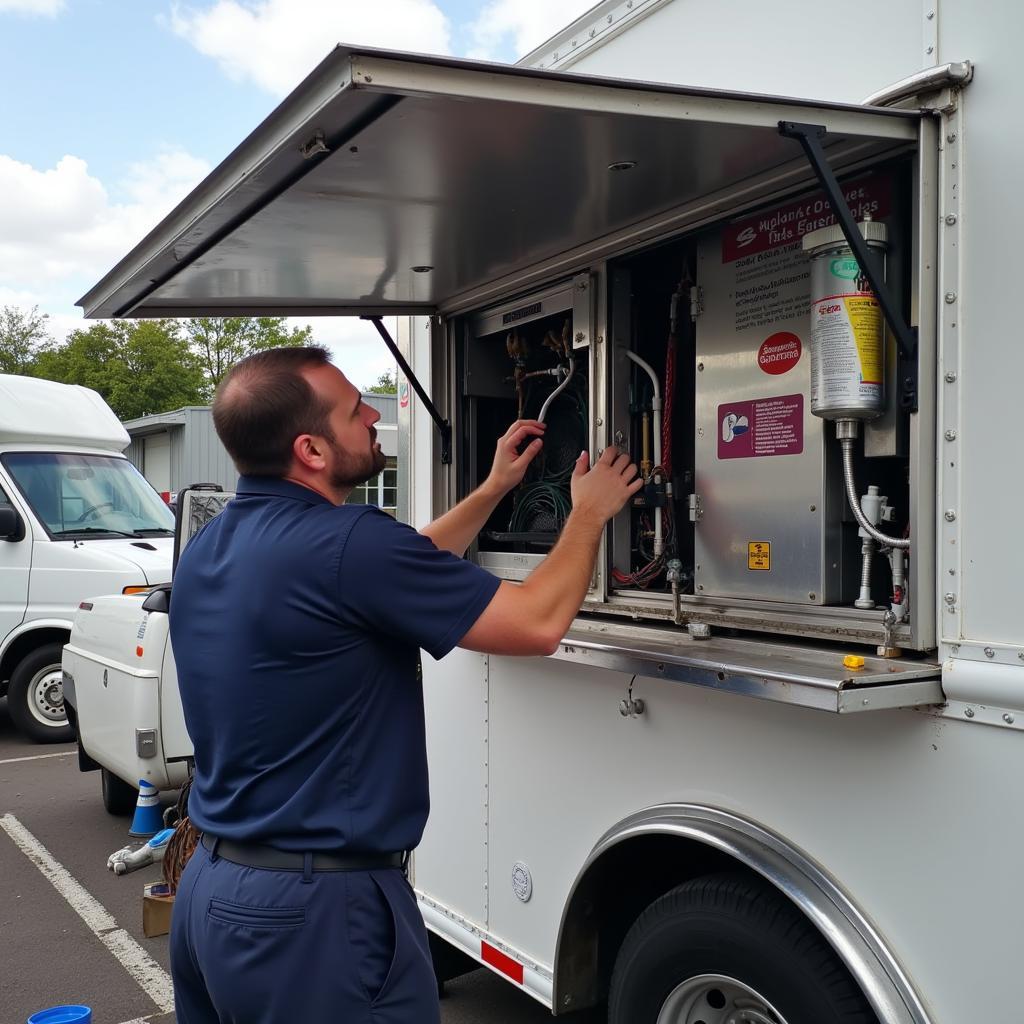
(89, 495)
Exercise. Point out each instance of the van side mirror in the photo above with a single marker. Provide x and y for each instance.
(11, 526)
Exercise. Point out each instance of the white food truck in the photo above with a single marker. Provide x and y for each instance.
(771, 774)
(76, 518)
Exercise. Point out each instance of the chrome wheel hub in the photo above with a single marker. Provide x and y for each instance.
(717, 999)
(46, 696)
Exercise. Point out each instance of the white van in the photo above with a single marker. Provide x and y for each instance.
(76, 519)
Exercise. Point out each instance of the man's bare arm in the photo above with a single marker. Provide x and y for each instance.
(532, 618)
(458, 527)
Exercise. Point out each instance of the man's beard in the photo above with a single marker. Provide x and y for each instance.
(350, 470)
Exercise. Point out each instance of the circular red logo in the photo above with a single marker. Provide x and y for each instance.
(779, 353)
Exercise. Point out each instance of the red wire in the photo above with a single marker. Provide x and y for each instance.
(666, 415)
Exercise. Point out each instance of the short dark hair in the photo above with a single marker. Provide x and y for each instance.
(263, 403)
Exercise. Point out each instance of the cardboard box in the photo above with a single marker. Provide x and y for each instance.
(157, 904)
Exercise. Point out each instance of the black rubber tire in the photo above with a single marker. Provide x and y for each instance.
(18, 697)
(119, 798)
(740, 927)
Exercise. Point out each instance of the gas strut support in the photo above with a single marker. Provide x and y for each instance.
(809, 136)
(443, 426)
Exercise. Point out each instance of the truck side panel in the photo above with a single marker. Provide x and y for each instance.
(897, 806)
(784, 48)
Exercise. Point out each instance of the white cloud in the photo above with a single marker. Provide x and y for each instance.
(276, 43)
(521, 24)
(60, 231)
(47, 8)
(356, 347)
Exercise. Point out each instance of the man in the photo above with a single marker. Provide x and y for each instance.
(297, 623)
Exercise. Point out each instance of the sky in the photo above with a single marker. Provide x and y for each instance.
(112, 111)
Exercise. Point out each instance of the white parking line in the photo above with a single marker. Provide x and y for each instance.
(152, 978)
(36, 757)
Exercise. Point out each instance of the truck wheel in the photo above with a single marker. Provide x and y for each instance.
(727, 948)
(119, 798)
(35, 697)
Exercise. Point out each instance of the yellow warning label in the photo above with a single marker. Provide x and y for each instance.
(759, 554)
(866, 320)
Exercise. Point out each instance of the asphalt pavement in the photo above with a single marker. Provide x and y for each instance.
(73, 930)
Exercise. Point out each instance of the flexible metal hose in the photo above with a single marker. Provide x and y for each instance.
(554, 394)
(858, 513)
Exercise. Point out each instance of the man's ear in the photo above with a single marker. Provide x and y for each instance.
(309, 452)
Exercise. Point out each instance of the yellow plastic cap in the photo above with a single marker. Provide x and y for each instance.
(853, 661)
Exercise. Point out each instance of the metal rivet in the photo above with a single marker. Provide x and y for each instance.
(950, 515)
(931, 14)
(700, 431)
(700, 586)
(969, 712)
(931, 49)
(574, 42)
(811, 596)
(950, 377)
(593, 32)
(814, 508)
(989, 652)
(1020, 654)
(951, 137)
(599, 421)
(950, 435)
(1008, 718)
(950, 298)
(609, 19)
(950, 219)
(700, 367)
(950, 598)
(367, 78)
(952, 572)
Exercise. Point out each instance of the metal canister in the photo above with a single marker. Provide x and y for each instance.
(847, 328)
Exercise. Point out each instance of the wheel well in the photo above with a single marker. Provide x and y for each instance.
(616, 889)
(25, 644)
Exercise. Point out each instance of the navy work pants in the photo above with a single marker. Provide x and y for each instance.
(251, 946)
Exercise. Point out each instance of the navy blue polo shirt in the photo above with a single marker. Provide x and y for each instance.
(297, 627)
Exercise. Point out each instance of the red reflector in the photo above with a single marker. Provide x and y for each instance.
(86, 606)
(503, 963)
(166, 495)
(138, 651)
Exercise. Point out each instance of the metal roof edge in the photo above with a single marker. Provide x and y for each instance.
(173, 418)
(590, 30)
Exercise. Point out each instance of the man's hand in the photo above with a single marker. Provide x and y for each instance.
(600, 493)
(510, 466)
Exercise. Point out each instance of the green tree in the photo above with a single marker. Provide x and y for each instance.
(22, 334)
(387, 384)
(138, 366)
(219, 343)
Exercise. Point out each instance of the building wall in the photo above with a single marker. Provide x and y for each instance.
(197, 456)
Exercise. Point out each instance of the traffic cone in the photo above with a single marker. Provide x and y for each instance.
(148, 818)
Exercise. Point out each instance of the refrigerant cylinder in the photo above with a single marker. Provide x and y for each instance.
(847, 328)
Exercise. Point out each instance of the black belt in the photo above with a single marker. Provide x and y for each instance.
(255, 855)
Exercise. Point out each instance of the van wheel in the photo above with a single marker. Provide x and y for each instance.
(35, 697)
(119, 798)
(729, 948)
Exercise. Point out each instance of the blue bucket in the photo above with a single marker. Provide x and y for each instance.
(62, 1015)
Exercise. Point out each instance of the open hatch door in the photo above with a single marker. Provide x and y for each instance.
(388, 183)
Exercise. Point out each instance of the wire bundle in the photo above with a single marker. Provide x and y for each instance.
(537, 500)
(182, 844)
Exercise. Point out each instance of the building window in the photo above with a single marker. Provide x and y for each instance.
(381, 491)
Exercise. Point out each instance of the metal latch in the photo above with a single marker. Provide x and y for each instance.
(695, 507)
(145, 742)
